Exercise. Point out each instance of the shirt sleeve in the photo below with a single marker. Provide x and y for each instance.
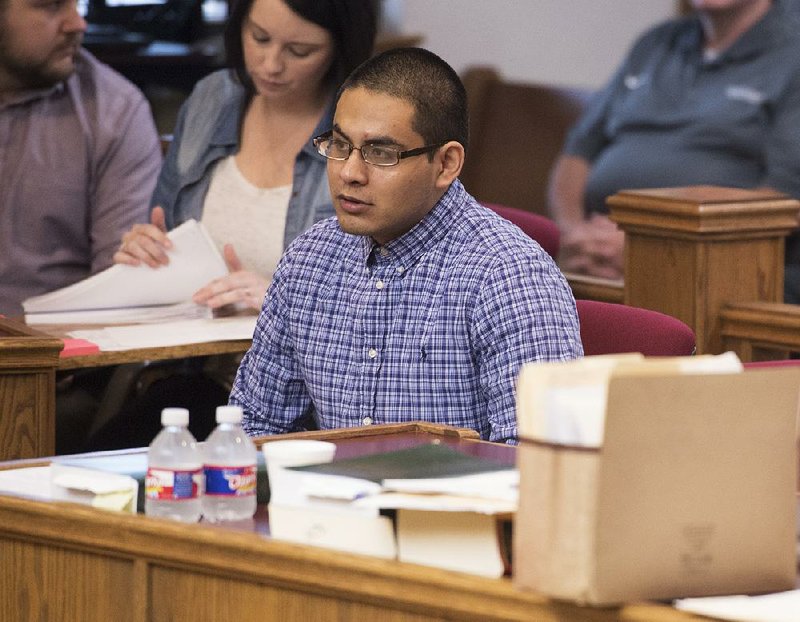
(782, 145)
(124, 179)
(525, 312)
(589, 136)
(166, 191)
(269, 386)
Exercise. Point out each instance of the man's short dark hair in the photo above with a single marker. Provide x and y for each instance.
(421, 78)
(351, 23)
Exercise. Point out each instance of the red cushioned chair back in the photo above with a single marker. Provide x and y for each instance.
(608, 328)
(776, 363)
(537, 227)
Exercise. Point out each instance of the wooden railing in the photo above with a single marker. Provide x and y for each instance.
(28, 361)
(699, 252)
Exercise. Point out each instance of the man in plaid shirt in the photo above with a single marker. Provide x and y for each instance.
(415, 302)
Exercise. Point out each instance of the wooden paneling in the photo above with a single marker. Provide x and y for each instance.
(27, 391)
(759, 331)
(32, 585)
(517, 131)
(689, 251)
(61, 561)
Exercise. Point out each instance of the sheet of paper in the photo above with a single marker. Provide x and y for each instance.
(194, 261)
(437, 502)
(30, 482)
(497, 485)
(461, 541)
(779, 607)
(130, 315)
(166, 334)
(343, 531)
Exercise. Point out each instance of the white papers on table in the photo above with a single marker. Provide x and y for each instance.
(194, 261)
(167, 334)
(56, 482)
(130, 315)
(778, 607)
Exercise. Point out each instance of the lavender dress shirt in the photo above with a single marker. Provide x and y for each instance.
(78, 163)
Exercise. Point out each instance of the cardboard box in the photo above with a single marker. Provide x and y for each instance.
(691, 494)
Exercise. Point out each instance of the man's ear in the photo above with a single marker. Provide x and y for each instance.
(451, 159)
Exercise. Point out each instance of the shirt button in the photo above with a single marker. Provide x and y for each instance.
(379, 284)
(366, 420)
(400, 269)
(372, 353)
(384, 251)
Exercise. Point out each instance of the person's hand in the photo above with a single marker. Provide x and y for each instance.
(238, 286)
(146, 243)
(593, 247)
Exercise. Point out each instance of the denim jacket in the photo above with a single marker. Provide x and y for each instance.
(207, 129)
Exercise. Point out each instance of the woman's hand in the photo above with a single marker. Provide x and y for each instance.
(146, 243)
(238, 286)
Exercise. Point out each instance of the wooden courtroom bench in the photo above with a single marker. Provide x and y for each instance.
(711, 257)
(516, 133)
(28, 361)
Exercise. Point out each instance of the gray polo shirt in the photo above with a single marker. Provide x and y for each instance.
(78, 164)
(669, 117)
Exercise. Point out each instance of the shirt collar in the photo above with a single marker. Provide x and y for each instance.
(771, 28)
(408, 248)
(23, 97)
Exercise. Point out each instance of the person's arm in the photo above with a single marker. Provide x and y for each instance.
(125, 175)
(782, 157)
(269, 385)
(238, 286)
(592, 246)
(525, 312)
(566, 190)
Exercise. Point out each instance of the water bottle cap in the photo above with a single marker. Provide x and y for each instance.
(229, 414)
(175, 416)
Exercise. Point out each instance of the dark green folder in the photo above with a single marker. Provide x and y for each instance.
(421, 462)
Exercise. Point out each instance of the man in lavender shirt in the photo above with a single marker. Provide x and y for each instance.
(79, 153)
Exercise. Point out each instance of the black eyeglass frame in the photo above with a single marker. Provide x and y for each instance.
(401, 155)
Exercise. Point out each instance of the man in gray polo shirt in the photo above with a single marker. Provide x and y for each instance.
(712, 98)
(79, 153)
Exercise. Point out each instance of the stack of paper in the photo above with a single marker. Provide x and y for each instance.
(446, 507)
(125, 293)
(167, 334)
(58, 482)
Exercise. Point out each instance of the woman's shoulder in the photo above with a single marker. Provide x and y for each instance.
(215, 92)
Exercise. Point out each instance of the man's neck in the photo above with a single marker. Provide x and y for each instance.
(722, 28)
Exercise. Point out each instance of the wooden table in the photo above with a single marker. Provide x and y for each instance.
(61, 561)
(29, 359)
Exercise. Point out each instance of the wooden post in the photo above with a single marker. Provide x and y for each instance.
(28, 361)
(689, 251)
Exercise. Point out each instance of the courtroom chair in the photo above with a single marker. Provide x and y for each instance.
(516, 133)
(540, 228)
(608, 328)
(775, 363)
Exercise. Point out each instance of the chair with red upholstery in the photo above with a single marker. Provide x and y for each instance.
(608, 328)
(536, 226)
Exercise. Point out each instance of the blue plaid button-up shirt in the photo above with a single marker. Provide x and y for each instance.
(433, 326)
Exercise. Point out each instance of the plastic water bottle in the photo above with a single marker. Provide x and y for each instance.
(230, 469)
(174, 483)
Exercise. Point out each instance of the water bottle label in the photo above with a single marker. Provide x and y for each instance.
(231, 481)
(165, 484)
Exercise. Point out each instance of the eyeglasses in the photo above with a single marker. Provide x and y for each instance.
(377, 155)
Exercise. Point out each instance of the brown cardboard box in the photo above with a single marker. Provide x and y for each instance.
(692, 493)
